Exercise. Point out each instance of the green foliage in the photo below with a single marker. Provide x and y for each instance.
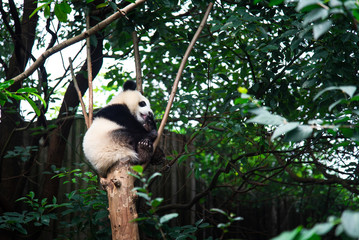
(84, 209)
(87, 206)
(21, 94)
(152, 203)
(42, 212)
(230, 218)
(23, 153)
(347, 225)
(61, 9)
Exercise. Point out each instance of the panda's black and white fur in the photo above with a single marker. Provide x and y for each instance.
(122, 131)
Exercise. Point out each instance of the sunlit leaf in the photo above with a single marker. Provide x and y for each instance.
(168, 217)
(267, 119)
(350, 222)
(323, 228)
(137, 168)
(289, 235)
(284, 129)
(350, 90)
(319, 13)
(305, 3)
(299, 133)
(321, 28)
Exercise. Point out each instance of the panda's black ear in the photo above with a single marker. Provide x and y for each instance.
(129, 85)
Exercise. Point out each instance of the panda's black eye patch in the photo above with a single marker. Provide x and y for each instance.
(142, 104)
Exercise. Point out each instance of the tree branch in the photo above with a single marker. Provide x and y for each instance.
(89, 75)
(137, 62)
(79, 94)
(179, 74)
(76, 39)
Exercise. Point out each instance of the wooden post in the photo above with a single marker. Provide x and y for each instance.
(122, 202)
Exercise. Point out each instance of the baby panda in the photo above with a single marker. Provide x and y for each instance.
(122, 131)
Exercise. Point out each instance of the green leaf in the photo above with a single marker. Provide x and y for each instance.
(275, 2)
(308, 235)
(17, 97)
(168, 217)
(65, 7)
(219, 211)
(143, 195)
(156, 202)
(302, 4)
(299, 133)
(355, 13)
(267, 119)
(36, 10)
(321, 28)
(156, 174)
(237, 219)
(350, 90)
(33, 105)
(350, 222)
(26, 90)
(139, 219)
(319, 13)
(47, 11)
(289, 235)
(6, 84)
(40, 98)
(138, 169)
(60, 13)
(323, 228)
(330, 108)
(284, 129)
(102, 5)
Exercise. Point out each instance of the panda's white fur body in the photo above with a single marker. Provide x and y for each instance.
(101, 149)
(123, 131)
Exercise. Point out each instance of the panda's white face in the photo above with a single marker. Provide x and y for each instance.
(138, 105)
(143, 110)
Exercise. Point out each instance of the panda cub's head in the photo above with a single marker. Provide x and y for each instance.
(138, 105)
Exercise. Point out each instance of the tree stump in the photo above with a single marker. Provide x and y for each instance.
(122, 202)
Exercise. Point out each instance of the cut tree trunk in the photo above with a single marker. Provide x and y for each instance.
(122, 202)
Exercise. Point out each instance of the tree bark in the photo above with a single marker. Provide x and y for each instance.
(122, 202)
(23, 40)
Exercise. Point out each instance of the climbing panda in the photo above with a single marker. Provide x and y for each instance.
(122, 131)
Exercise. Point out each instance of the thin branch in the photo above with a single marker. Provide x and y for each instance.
(79, 94)
(137, 62)
(179, 73)
(80, 37)
(89, 73)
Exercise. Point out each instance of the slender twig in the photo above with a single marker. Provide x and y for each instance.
(89, 72)
(179, 74)
(98, 27)
(137, 62)
(79, 94)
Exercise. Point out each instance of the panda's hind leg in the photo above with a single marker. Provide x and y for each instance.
(144, 150)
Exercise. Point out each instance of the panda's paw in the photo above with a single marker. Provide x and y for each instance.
(145, 150)
(145, 144)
